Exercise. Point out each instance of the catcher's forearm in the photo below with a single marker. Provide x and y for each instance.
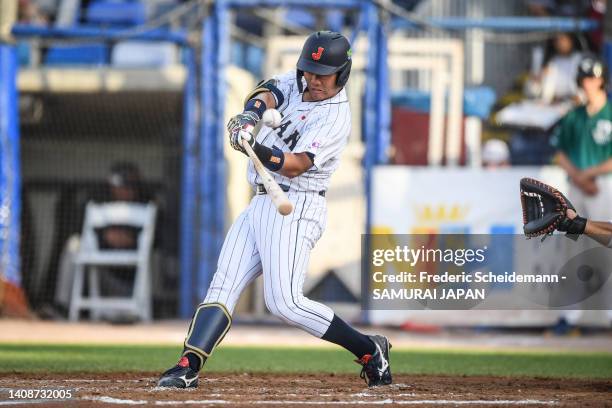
(600, 232)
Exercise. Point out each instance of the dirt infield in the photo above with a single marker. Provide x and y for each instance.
(273, 390)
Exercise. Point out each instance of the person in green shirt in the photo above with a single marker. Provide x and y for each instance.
(584, 150)
(584, 144)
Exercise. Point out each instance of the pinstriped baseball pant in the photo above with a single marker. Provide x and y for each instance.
(263, 241)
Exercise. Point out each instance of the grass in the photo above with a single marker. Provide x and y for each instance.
(18, 358)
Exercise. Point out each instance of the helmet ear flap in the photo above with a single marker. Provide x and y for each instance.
(298, 75)
(343, 74)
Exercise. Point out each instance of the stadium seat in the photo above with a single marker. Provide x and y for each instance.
(334, 19)
(116, 13)
(248, 57)
(24, 50)
(67, 13)
(136, 54)
(299, 17)
(92, 54)
(92, 261)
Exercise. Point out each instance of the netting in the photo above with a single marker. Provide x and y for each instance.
(100, 146)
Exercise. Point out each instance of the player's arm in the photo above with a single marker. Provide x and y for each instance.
(287, 164)
(265, 96)
(268, 92)
(296, 164)
(564, 162)
(583, 180)
(598, 230)
(599, 170)
(562, 140)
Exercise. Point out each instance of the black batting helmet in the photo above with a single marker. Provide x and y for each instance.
(325, 53)
(592, 66)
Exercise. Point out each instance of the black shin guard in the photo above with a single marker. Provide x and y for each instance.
(344, 335)
(210, 323)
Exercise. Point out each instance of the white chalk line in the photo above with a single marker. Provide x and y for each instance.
(32, 401)
(85, 380)
(219, 402)
(412, 402)
(110, 400)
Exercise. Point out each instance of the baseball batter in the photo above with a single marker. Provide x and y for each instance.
(302, 153)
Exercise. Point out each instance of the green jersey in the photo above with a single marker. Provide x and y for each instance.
(586, 140)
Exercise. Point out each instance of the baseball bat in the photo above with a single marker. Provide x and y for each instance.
(277, 195)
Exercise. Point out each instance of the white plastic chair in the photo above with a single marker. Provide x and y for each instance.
(92, 260)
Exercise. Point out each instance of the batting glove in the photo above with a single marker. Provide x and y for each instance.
(243, 122)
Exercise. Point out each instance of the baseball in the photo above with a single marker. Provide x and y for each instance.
(272, 118)
(246, 135)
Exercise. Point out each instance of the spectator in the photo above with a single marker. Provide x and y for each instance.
(584, 150)
(559, 74)
(597, 12)
(495, 154)
(28, 12)
(593, 9)
(560, 8)
(124, 183)
(584, 144)
(557, 80)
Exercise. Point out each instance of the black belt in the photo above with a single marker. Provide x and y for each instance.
(261, 189)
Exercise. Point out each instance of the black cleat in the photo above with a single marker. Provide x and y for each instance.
(376, 366)
(179, 376)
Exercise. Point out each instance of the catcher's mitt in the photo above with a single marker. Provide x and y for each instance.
(544, 210)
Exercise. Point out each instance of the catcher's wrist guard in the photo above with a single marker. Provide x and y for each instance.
(574, 227)
(545, 210)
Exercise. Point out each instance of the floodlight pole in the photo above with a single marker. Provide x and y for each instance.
(10, 172)
(213, 185)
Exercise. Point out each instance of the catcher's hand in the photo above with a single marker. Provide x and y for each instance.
(243, 122)
(545, 210)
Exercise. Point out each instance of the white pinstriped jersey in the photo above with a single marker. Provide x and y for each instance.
(320, 128)
(261, 241)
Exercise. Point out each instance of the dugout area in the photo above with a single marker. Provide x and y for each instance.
(69, 143)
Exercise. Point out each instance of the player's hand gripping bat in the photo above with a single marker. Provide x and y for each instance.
(277, 195)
